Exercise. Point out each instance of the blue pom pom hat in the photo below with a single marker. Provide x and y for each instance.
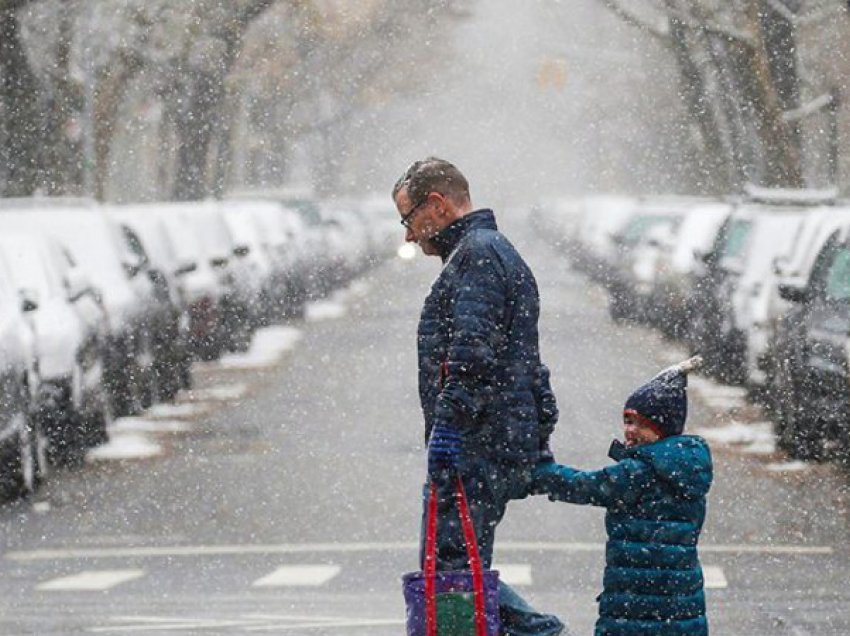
(662, 403)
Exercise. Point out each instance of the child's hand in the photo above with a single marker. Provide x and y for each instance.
(539, 478)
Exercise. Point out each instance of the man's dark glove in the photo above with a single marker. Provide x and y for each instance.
(546, 456)
(445, 450)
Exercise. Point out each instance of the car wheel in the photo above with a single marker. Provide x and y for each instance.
(39, 447)
(19, 472)
(802, 437)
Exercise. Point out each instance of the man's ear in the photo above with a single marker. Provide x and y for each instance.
(445, 207)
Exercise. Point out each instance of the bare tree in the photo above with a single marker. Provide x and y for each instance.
(20, 113)
(738, 81)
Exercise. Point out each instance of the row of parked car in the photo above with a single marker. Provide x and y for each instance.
(759, 284)
(103, 308)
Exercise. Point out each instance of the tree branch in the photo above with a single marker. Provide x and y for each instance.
(814, 16)
(661, 30)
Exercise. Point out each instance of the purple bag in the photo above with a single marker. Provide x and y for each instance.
(456, 603)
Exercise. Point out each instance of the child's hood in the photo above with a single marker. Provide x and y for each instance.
(682, 461)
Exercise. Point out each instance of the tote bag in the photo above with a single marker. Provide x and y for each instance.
(452, 603)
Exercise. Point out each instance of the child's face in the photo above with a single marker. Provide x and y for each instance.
(637, 433)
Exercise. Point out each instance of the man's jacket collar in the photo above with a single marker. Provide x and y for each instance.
(447, 240)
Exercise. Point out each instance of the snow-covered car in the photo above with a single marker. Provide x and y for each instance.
(206, 279)
(602, 218)
(348, 241)
(648, 232)
(256, 255)
(172, 349)
(773, 240)
(119, 275)
(239, 305)
(680, 265)
(23, 445)
(71, 330)
(815, 397)
(754, 238)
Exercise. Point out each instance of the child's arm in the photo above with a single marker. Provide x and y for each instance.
(620, 482)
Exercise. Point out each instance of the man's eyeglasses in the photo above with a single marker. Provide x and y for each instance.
(408, 218)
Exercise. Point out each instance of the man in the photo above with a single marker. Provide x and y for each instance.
(488, 406)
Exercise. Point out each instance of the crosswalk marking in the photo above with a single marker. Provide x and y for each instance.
(298, 576)
(715, 579)
(306, 575)
(90, 580)
(514, 573)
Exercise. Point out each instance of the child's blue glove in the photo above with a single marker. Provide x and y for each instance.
(542, 471)
(445, 450)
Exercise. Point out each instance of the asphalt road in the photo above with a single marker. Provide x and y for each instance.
(283, 497)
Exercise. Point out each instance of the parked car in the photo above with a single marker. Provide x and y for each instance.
(681, 263)
(812, 405)
(602, 218)
(120, 275)
(71, 330)
(639, 243)
(23, 445)
(266, 269)
(239, 300)
(756, 236)
(201, 283)
(169, 274)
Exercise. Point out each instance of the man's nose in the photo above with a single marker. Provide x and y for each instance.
(408, 235)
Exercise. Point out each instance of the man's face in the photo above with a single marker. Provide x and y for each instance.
(636, 432)
(422, 222)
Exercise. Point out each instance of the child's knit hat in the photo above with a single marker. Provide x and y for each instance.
(662, 403)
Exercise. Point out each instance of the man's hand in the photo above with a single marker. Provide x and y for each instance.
(445, 450)
(546, 456)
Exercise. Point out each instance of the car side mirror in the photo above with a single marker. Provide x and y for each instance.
(29, 299)
(241, 250)
(780, 264)
(161, 289)
(186, 268)
(794, 293)
(132, 269)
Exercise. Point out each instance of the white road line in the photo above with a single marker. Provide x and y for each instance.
(714, 577)
(298, 576)
(353, 548)
(90, 581)
(514, 573)
(249, 622)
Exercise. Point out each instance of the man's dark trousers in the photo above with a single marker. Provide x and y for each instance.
(489, 486)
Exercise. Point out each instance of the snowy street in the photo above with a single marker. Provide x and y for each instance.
(282, 494)
(214, 217)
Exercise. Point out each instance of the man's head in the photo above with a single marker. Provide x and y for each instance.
(431, 195)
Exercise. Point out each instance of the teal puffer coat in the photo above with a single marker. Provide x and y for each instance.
(656, 500)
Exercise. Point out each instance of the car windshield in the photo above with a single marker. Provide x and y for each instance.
(735, 241)
(641, 225)
(838, 276)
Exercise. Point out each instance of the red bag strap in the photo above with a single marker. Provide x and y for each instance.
(474, 560)
(430, 565)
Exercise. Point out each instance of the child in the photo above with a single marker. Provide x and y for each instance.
(655, 495)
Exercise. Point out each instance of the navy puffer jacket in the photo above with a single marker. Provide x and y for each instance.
(479, 356)
(656, 497)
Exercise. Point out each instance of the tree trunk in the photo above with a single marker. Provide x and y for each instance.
(63, 172)
(195, 133)
(108, 96)
(22, 126)
(783, 155)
